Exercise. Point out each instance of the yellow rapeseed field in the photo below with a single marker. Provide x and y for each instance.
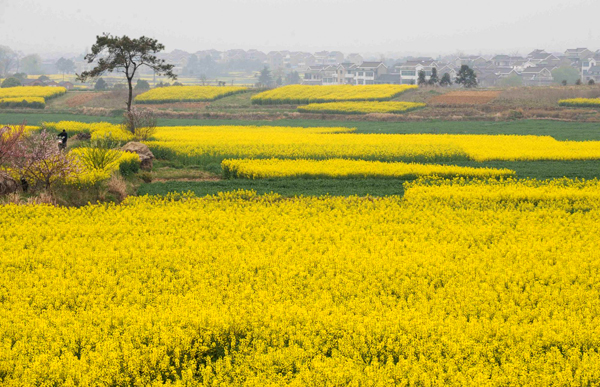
(580, 102)
(238, 289)
(303, 94)
(319, 143)
(32, 91)
(361, 107)
(187, 94)
(343, 168)
(35, 102)
(98, 130)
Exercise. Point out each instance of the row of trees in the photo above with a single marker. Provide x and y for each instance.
(13, 62)
(465, 77)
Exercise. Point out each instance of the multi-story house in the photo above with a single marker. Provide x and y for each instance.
(313, 75)
(346, 73)
(275, 60)
(409, 71)
(335, 58)
(389, 79)
(544, 59)
(367, 72)
(537, 76)
(589, 70)
(355, 59)
(471, 61)
(446, 69)
(329, 75)
(578, 54)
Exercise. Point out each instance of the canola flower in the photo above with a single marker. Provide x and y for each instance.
(33, 102)
(93, 172)
(238, 289)
(187, 94)
(191, 144)
(580, 102)
(461, 192)
(360, 107)
(343, 168)
(303, 94)
(98, 130)
(32, 91)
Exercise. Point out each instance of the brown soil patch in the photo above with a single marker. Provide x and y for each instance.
(80, 99)
(465, 98)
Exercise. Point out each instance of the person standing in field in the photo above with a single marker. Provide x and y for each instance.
(63, 136)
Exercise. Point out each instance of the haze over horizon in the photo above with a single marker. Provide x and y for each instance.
(377, 27)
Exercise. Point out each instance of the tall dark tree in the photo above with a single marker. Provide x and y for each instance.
(265, 79)
(292, 78)
(446, 80)
(65, 66)
(126, 55)
(100, 84)
(422, 80)
(466, 77)
(434, 79)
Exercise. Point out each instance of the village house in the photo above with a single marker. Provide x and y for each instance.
(578, 54)
(367, 72)
(590, 70)
(537, 76)
(389, 79)
(409, 71)
(345, 73)
(313, 75)
(355, 59)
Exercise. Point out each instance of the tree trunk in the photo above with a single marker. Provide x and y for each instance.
(129, 100)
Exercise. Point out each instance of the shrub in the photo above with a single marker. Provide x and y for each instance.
(146, 176)
(142, 85)
(11, 82)
(141, 123)
(117, 186)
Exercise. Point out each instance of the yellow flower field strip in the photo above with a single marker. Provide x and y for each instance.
(503, 191)
(321, 143)
(187, 94)
(98, 130)
(342, 168)
(361, 107)
(580, 102)
(32, 91)
(303, 94)
(243, 290)
(39, 100)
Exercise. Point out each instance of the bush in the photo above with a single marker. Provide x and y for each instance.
(141, 123)
(142, 85)
(129, 167)
(146, 176)
(11, 82)
(100, 84)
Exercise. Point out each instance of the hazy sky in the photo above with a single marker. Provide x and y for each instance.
(374, 26)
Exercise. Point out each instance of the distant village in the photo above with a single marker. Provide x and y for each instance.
(334, 68)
